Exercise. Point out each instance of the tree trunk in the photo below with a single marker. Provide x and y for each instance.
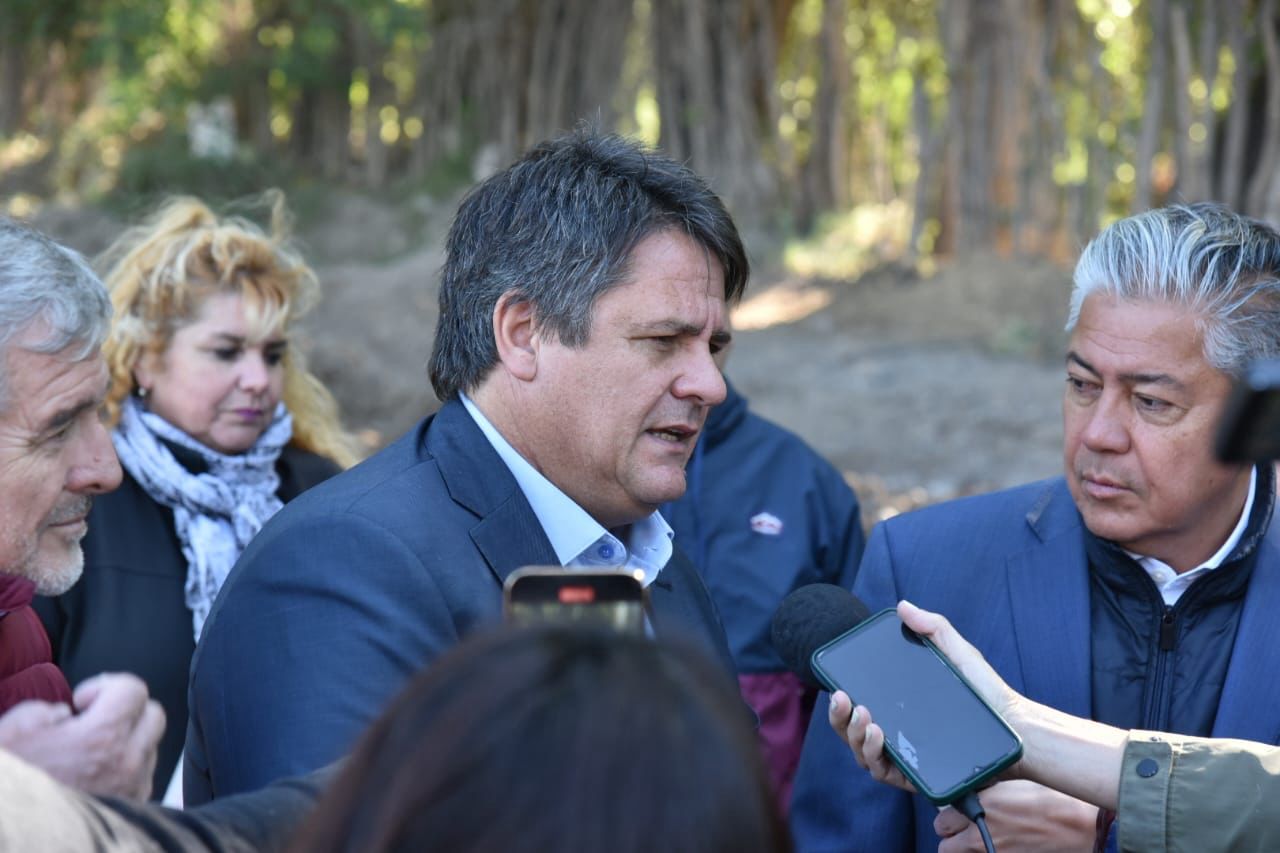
(952, 227)
(927, 152)
(1195, 177)
(1231, 183)
(1180, 40)
(976, 179)
(13, 77)
(825, 173)
(370, 55)
(1152, 105)
(1264, 172)
(712, 60)
(1100, 165)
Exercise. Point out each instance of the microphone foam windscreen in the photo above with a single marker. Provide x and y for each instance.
(809, 618)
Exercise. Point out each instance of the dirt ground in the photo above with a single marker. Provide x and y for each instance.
(918, 389)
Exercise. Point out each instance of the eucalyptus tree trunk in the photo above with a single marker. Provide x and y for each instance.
(1268, 162)
(1152, 104)
(714, 63)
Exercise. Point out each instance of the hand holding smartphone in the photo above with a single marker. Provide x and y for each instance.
(939, 732)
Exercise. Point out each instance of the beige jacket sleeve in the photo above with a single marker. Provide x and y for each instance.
(1197, 794)
(39, 813)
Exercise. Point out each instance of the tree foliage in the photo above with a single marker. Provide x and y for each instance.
(1019, 125)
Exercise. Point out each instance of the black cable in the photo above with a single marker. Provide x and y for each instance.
(970, 807)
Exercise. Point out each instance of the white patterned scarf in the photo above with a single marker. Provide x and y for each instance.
(216, 512)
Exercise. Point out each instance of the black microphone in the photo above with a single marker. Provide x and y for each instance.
(808, 619)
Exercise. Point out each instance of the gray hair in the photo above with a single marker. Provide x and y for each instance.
(557, 230)
(48, 286)
(1223, 266)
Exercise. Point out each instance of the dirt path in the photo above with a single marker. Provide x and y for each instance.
(918, 390)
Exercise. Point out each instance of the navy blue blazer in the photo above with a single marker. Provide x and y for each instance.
(1010, 572)
(355, 586)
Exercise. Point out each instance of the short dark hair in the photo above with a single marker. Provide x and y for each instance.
(557, 229)
(557, 738)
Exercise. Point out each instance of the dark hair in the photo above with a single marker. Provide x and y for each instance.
(557, 739)
(557, 229)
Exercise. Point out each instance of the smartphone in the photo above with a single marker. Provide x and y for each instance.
(1250, 428)
(939, 732)
(540, 595)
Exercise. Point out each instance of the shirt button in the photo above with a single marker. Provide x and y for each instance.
(606, 551)
(1147, 768)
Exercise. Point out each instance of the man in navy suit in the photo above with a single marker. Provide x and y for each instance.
(582, 299)
(1141, 588)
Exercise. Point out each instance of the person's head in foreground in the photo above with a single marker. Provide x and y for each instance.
(205, 309)
(581, 302)
(556, 739)
(1168, 307)
(55, 454)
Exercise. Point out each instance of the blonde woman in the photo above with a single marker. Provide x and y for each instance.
(217, 423)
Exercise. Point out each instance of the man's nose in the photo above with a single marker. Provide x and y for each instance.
(1107, 430)
(701, 381)
(96, 469)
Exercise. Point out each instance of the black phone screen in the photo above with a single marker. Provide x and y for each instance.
(942, 735)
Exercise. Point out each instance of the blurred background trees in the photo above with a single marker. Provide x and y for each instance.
(1014, 125)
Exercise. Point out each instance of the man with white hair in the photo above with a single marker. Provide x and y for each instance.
(55, 455)
(1139, 589)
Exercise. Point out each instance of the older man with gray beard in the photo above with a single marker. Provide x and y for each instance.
(55, 455)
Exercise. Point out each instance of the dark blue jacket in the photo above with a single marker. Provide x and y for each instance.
(357, 584)
(764, 514)
(745, 468)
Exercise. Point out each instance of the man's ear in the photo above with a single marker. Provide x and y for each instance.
(516, 337)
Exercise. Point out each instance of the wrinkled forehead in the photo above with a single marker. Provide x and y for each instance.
(1139, 335)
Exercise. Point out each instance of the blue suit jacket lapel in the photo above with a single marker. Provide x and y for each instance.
(1049, 604)
(670, 599)
(1251, 693)
(510, 537)
(507, 533)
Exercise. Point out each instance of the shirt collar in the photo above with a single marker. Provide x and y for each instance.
(570, 528)
(1170, 583)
